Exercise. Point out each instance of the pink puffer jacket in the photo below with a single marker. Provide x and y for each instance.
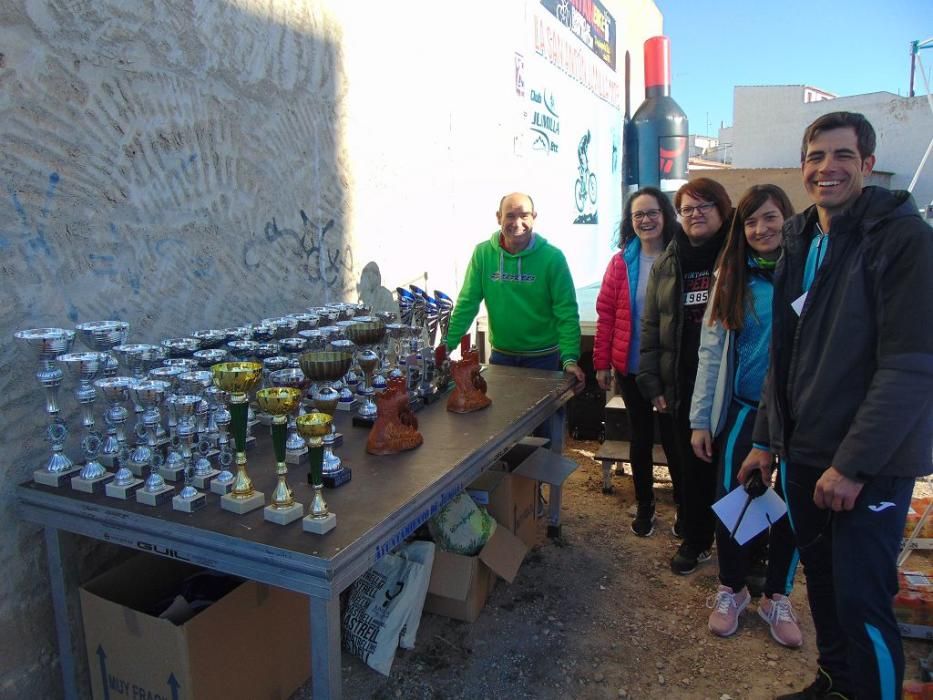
(613, 318)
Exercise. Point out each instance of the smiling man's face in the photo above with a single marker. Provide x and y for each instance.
(833, 170)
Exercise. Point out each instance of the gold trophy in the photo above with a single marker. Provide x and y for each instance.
(280, 402)
(326, 368)
(313, 427)
(237, 379)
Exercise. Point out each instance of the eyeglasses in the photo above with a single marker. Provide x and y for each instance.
(648, 214)
(699, 209)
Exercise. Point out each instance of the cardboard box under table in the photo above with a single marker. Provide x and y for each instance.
(460, 584)
(251, 643)
(510, 499)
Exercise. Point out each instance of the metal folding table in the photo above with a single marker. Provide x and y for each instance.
(388, 498)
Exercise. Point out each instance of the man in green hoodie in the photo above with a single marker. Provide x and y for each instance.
(529, 294)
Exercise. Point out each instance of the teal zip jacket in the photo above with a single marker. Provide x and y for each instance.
(530, 299)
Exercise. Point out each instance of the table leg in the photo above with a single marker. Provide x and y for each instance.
(607, 476)
(554, 492)
(325, 648)
(66, 659)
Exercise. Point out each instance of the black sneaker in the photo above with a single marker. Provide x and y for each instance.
(687, 559)
(677, 529)
(820, 689)
(643, 524)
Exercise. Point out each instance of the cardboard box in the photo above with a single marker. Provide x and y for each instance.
(510, 499)
(460, 584)
(252, 643)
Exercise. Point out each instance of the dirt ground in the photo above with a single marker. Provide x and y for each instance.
(598, 614)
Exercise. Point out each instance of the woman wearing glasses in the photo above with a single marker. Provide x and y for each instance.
(675, 301)
(648, 225)
(732, 364)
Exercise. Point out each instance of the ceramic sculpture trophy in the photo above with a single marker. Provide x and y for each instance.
(469, 392)
(325, 368)
(103, 336)
(237, 379)
(86, 367)
(46, 345)
(280, 402)
(313, 427)
(396, 427)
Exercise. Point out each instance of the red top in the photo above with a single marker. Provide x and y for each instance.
(613, 318)
(657, 62)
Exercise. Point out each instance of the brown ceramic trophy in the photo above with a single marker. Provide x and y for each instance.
(396, 427)
(469, 392)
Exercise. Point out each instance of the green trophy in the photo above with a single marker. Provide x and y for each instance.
(280, 402)
(238, 378)
(313, 427)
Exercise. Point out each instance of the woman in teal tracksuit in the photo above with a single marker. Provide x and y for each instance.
(732, 364)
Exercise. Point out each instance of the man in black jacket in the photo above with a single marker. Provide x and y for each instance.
(847, 404)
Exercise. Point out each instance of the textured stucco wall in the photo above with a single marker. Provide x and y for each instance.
(185, 164)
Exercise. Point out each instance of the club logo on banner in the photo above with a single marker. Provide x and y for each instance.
(584, 188)
(545, 121)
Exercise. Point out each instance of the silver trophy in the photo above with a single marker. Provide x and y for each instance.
(86, 367)
(445, 308)
(173, 467)
(210, 356)
(116, 391)
(189, 499)
(180, 347)
(210, 339)
(138, 359)
(222, 483)
(150, 393)
(103, 336)
(296, 452)
(367, 334)
(46, 345)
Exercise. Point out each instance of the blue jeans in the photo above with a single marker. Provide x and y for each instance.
(551, 362)
(850, 561)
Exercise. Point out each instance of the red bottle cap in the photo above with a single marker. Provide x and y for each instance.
(657, 62)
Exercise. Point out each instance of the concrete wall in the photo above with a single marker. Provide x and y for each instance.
(203, 163)
(770, 121)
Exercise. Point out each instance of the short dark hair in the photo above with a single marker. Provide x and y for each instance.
(864, 131)
(709, 191)
(627, 229)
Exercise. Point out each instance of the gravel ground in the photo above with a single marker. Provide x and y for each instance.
(598, 614)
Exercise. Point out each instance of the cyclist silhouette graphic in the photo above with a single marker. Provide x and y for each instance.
(585, 185)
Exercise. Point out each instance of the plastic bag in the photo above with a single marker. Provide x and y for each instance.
(423, 553)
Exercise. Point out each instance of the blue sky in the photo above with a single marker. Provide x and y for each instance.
(845, 47)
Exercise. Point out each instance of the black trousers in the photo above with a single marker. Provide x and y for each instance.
(698, 479)
(641, 419)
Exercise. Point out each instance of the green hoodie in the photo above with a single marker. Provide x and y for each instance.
(529, 296)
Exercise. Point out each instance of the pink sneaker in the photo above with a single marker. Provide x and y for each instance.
(779, 614)
(727, 606)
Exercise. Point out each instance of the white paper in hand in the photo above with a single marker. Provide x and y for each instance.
(761, 512)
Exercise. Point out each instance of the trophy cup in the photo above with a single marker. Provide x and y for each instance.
(346, 384)
(138, 359)
(306, 321)
(210, 339)
(102, 336)
(283, 326)
(210, 356)
(86, 366)
(180, 347)
(115, 390)
(365, 334)
(189, 499)
(47, 344)
(174, 467)
(223, 482)
(445, 308)
(313, 427)
(280, 402)
(296, 452)
(237, 379)
(325, 368)
(150, 393)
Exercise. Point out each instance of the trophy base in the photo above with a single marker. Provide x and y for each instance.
(296, 456)
(123, 492)
(221, 488)
(347, 405)
(340, 477)
(203, 482)
(283, 516)
(155, 498)
(363, 421)
(137, 469)
(189, 505)
(56, 479)
(319, 526)
(91, 485)
(172, 474)
(242, 505)
(107, 459)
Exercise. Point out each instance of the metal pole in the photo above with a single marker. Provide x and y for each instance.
(913, 61)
